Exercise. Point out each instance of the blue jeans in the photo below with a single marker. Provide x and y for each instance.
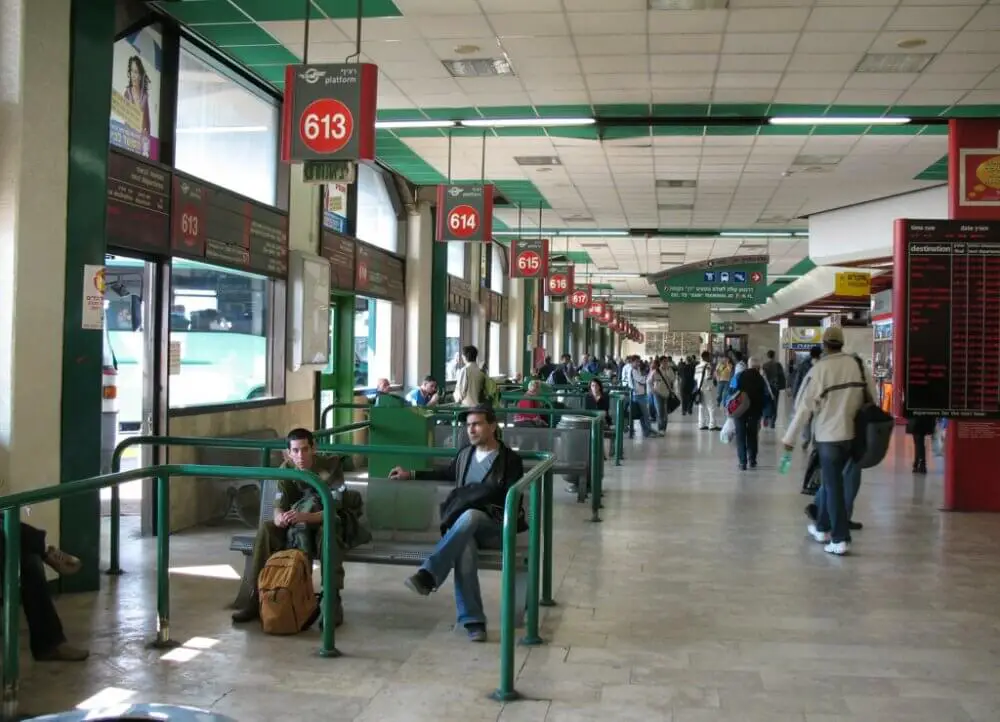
(459, 550)
(642, 401)
(747, 433)
(661, 411)
(840, 480)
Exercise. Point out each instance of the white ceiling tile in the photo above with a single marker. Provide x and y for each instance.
(868, 97)
(824, 43)
(676, 81)
(671, 44)
(888, 42)
(598, 5)
(683, 63)
(948, 81)
(445, 49)
(965, 63)
(991, 82)
(388, 52)
(292, 31)
(541, 47)
(401, 71)
(747, 80)
(973, 41)
(607, 23)
(434, 27)
(691, 95)
(981, 97)
(590, 45)
(559, 97)
(499, 99)
(410, 8)
(637, 64)
(753, 63)
(683, 22)
(620, 96)
(759, 42)
(554, 82)
(744, 95)
(931, 97)
(430, 86)
(521, 24)
(814, 80)
(543, 67)
(824, 62)
(988, 18)
(398, 28)
(447, 100)
(794, 95)
(946, 16)
(834, 19)
(880, 81)
(515, 6)
(611, 81)
(337, 52)
(767, 20)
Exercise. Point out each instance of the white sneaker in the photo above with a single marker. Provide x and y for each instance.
(821, 536)
(837, 548)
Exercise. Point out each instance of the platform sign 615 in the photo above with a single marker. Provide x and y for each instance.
(465, 213)
(329, 112)
(559, 284)
(529, 258)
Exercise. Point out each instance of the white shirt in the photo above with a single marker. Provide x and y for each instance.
(627, 378)
(703, 383)
(832, 393)
(468, 385)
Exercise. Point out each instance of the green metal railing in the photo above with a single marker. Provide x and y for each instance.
(324, 416)
(264, 446)
(11, 507)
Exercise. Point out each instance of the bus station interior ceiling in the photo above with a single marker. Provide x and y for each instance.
(619, 59)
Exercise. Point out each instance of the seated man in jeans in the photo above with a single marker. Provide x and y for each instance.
(48, 642)
(471, 516)
(298, 516)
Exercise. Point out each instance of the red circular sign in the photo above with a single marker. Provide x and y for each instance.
(529, 263)
(463, 221)
(559, 282)
(326, 125)
(579, 299)
(190, 225)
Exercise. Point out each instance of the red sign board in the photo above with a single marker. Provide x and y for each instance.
(529, 258)
(329, 112)
(465, 213)
(608, 315)
(560, 283)
(580, 298)
(595, 309)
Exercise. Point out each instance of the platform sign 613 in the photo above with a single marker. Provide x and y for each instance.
(329, 112)
(465, 213)
(559, 284)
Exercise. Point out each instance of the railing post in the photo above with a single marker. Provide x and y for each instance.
(596, 460)
(619, 428)
(331, 552)
(265, 458)
(505, 692)
(547, 501)
(531, 637)
(163, 640)
(115, 523)
(11, 611)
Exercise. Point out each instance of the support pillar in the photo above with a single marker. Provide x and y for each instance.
(419, 267)
(438, 283)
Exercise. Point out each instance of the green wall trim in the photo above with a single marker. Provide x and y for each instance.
(343, 356)
(527, 327)
(91, 42)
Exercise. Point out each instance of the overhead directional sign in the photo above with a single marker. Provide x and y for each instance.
(529, 258)
(329, 112)
(595, 309)
(465, 213)
(739, 280)
(580, 297)
(559, 284)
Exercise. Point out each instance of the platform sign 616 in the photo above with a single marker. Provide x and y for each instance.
(529, 258)
(559, 284)
(329, 112)
(465, 213)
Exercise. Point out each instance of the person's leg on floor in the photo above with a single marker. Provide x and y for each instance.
(774, 408)
(852, 485)
(270, 539)
(753, 437)
(833, 518)
(920, 453)
(643, 402)
(741, 441)
(661, 412)
(45, 630)
(442, 560)
(33, 542)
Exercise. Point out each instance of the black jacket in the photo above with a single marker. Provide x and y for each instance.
(753, 385)
(488, 496)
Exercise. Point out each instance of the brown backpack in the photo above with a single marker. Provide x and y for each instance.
(287, 600)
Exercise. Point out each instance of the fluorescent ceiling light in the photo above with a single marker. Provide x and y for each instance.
(846, 120)
(570, 232)
(754, 234)
(394, 124)
(526, 122)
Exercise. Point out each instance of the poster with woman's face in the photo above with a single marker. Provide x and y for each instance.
(135, 93)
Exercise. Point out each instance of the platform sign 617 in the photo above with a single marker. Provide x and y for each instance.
(580, 298)
(465, 213)
(559, 284)
(329, 112)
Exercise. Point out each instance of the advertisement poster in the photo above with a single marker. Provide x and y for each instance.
(979, 182)
(335, 207)
(135, 94)
(93, 298)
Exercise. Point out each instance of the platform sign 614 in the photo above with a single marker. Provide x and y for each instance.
(559, 284)
(465, 213)
(529, 258)
(329, 112)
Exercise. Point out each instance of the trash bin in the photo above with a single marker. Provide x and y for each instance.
(572, 447)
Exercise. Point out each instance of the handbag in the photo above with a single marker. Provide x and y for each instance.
(672, 403)
(738, 404)
(872, 429)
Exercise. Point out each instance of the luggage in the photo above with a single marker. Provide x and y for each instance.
(285, 588)
(811, 480)
(872, 429)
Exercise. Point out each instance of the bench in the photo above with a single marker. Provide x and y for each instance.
(404, 518)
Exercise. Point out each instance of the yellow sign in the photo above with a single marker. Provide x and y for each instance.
(852, 284)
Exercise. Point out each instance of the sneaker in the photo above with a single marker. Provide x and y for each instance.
(742, 467)
(63, 563)
(821, 536)
(837, 548)
(812, 511)
(716, 428)
(63, 653)
(249, 613)
(855, 525)
(422, 583)
(476, 632)
(703, 428)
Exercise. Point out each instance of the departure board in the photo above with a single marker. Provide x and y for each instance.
(339, 250)
(952, 365)
(379, 274)
(211, 223)
(138, 204)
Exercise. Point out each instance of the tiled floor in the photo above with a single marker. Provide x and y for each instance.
(699, 599)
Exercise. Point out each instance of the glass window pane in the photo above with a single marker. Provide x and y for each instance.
(377, 223)
(226, 134)
(452, 342)
(456, 259)
(362, 351)
(494, 362)
(496, 275)
(135, 93)
(220, 321)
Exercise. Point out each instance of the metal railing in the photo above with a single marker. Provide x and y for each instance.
(11, 507)
(264, 446)
(324, 416)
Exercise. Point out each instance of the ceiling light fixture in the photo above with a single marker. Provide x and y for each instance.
(526, 122)
(844, 120)
(754, 234)
(577, 232)
(397, 124)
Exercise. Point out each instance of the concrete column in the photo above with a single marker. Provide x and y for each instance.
(303, 235)
(558, 333)
(419, 277)
(34, 138)
(515, 329)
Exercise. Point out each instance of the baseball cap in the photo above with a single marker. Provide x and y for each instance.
(833, 336)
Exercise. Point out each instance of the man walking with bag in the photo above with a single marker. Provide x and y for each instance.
(704, 393)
